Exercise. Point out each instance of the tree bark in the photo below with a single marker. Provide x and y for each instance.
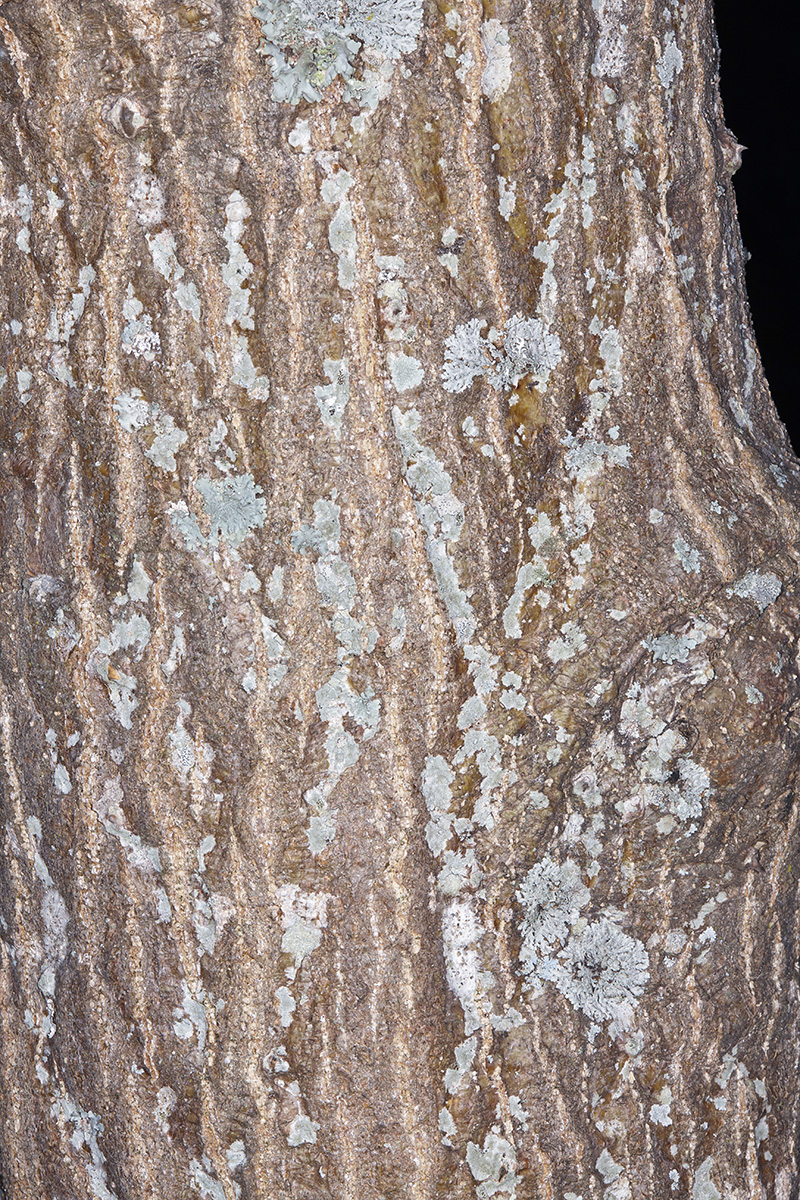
(399, 607)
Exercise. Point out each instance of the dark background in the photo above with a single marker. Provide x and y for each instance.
(755, 80)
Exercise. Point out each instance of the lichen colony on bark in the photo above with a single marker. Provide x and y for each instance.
(398, 681)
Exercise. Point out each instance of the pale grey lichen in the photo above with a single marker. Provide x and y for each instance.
(670, 647)
(703, 1187)
(465, 1056)
(300, 940)
(465, 356)
(302, 1130)
(406, 372)
(311, 42)
(187, 525)
(762, 588)
(571, 642)
(493, 1167)
(551, 895)
(687, 556)
(138, 337)
(601, 971)
(437, 779)
(586, 457)
(503, 358)
(234, 506)
(670, 63)
(168, 438)
(530, 574)
(609, 1169)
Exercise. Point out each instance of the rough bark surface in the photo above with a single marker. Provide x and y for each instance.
(399, 608)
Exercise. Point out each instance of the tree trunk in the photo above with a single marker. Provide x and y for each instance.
(399, 595)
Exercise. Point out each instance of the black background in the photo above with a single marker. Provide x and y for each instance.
(756, 77)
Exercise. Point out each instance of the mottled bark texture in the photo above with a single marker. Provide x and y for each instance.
(399, 603)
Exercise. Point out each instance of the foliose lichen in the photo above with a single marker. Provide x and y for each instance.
(311, 42)
(551, 896)
(601, 971)
(502, 357)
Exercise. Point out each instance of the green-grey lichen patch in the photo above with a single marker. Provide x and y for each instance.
(336, 699)
(671, 648)
(398, 624)
(687, 556)
(186, 524)
(134, 413)
(763, 588)
(493, 1167)
(332, 397)
(485, 748)
(507, 197)
(571, 642)
(606, 1166)
(447, 1126)
(703, 1187)
(659, 1113)
(24, 381)
(168, 438)
(302, 1130)
(208, 1187)
(341, 231)
(441, 515)
(126, 635)
(303, 916)
(190, 1017)
(61, 332)
(300, 940)
(437, 780)
(121, 687)
(502, 357)
(183, 751)
(163, 252)
(238, 267)
(243, 369)
(24, 207)
(139, 583)
(587, 457)
(464, 1056)
(299, 138)
(108, 806)
(138, 337)
(311, 42)
(88, 1127)
(132, 410)
(406, 372)
(236, 1155)
(286, 1006)
(234, 507)
(670, 63)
